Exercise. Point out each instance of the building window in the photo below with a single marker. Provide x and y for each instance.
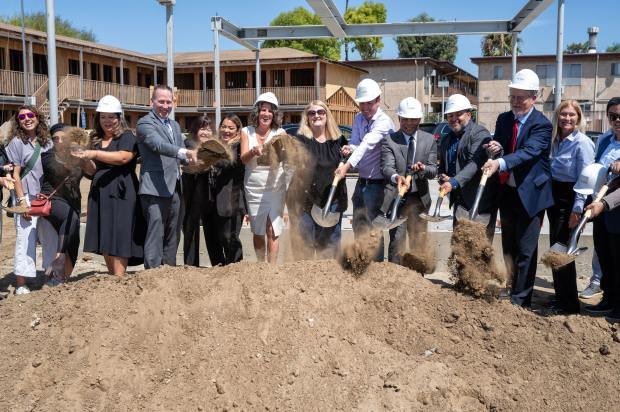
(184, 81)
(209, 81)
(107, 73)
(615, 69)
(236, 80)
(302, 77)
(571, 74)
(278, 78)
(94, 71)
(74, 67)
(125, 75)
(263, 78)
(2, 59)
(15, 60)
(39, 63)
(498, 72)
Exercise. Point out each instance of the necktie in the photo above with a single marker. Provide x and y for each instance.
(504, 176)
(168, 125)
(410, 152)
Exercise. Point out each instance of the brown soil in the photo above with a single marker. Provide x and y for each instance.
(301, 336)
(553, 259)
(357, 256)
(472, 262)
(423, 264)
(209, 153)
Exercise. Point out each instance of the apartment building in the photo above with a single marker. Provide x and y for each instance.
(87, 71)
(590, 78)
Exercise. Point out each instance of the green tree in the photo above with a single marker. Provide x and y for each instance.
(368, 12)
(443, 47)
(498, 45)
(38, 21)
(575, 48)
(328, 48)
(614, 48)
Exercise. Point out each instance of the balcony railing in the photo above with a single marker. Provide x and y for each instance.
(453, 90)
(12, 82)
(94, 90)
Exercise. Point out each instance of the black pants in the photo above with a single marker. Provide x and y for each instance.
(564, 278)
(66, 221)
(414, 226)
(520, 233)
(223, 243)
(196, 210)
(607, 246)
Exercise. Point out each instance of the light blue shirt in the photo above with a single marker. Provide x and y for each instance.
(366, 137)
(611, 153)
(568, 158)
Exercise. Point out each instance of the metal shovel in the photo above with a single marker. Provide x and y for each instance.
(436, 217)
(323, 217)
(573, 248)
(385, 222)
(472, 214)
(16, 208)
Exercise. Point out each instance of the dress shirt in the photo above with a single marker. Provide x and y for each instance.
(182, 152)
(413, 187)
(611, 153)
(502, 162)
(366, 137)
(568, 158)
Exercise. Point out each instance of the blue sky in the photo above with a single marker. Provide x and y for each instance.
(139, 24)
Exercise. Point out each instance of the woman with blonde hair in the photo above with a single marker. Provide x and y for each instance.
(571, 151)
(321, 140)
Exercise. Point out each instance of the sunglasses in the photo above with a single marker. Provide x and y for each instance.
(614, 116)
(320, 112)
(29, 115)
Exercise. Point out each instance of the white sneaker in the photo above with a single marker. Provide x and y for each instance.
(22, 290)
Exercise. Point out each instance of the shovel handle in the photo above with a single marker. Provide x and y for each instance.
(483, 178)
(599, 196)
(442, 193)
(403, 190)
(337, 177)
(10, 185)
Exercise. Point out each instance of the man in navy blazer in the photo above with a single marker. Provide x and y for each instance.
(161, 147)
(522, 139)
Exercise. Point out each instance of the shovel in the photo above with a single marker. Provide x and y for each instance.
(472, 214)
(436, 217)
(15, 209)
(323, 217)
(573, 248)
(387, 223)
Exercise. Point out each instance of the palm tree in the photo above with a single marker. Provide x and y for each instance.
(498, 45)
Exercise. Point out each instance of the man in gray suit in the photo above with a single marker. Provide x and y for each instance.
(161, 146)
(461, 155)
(408, 151)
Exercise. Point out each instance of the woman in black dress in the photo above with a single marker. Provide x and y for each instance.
(61, 179)
(115, 226)
(322, 140)
(194, 194)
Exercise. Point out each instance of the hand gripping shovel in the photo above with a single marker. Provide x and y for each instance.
(387, 223)
(472, 214)
(436, 217)
(323, 217)
(573, 248)
(16, 208)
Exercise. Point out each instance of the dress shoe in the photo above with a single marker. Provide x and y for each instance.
(602, 308)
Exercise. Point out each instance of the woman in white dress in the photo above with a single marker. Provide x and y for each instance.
(265, 185)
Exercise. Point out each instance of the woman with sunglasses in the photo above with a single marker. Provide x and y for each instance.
(31, 138)
(571, 151)
(322, 141)
(195, 186)
(115, 226)
(225, 200)
(606, 226)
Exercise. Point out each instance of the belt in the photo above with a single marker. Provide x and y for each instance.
(365, 181)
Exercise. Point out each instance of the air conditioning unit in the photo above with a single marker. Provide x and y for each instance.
(553, 90)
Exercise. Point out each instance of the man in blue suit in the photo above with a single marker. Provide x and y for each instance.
(522, 139)
(161, 147)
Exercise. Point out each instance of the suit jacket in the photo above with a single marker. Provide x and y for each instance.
(159, 150)
(394, 159)
(470, 156)
(227, 185)
(529, 163)
(612, 216)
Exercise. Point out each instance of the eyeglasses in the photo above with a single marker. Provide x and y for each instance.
(613, 117)
(29, 115)
(519, 98)
(313, 113)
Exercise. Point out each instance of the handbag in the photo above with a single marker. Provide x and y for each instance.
(41, 205)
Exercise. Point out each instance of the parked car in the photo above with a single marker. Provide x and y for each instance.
(291, 128)
(428, 127)
(593, 135)
(441, 130)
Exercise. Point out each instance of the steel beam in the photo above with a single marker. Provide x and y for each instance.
(531, 10)
(330, 16)
(232, 32)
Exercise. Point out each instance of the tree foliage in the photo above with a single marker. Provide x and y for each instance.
(498, 45)
(442, 47)
(614, 48)
(368, 12)
(328, 48)
(576, 47)
(38, 21)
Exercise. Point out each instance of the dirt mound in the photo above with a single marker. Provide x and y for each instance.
(422, 257)
(358, 255)
(302, 336)
(472, 262)
(554, 260)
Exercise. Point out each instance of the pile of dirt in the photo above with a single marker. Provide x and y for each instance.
(421, 258)
(358, 255)
(472, 262)
(555, 260)
(301, 336)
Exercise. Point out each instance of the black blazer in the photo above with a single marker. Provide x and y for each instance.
(226, 185)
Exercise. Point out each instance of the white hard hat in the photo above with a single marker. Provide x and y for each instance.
(409, 108)
(525, 79)
(456, 103)
(267, 97)
(109, 104)
(591, 179)
(367, 90)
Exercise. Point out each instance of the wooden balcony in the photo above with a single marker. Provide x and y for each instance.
(12, 82)
(436, 96)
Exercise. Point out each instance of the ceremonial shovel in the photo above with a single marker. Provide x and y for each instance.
(384, 222)
(323, 217)
(472, 214)
(436, 217)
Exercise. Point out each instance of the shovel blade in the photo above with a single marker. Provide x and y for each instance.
(329, 220)
(385, 223)
(463, 214)
(434, 218)
(559, 248)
